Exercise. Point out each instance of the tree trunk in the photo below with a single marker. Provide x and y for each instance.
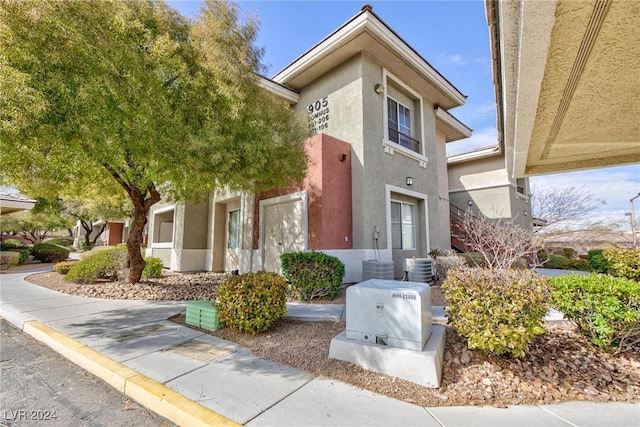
(88, 228)
(141, 205)
(95, 238)
(134, 242)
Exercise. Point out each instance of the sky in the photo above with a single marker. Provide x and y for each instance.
(453, 37)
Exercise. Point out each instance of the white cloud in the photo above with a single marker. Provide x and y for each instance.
(452, 59)
(481, 138)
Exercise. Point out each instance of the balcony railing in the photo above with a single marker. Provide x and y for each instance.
(404, 140)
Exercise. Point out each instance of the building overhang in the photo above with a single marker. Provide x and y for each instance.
(10, 204)
(281, 91)
(452, 128)
(366, 32)
(567, 83)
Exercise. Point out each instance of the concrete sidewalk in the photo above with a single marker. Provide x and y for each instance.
(193, 378)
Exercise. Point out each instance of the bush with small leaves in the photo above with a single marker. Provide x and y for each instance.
(152, 268)
(64, 266)
(103, 264)
(606, 309)
(498, 310)
(9, 259)
(623, 263)
(252, 302)
(46, 252)
(312, 274)
(446, 262)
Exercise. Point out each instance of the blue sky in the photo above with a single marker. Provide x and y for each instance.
(454, 38)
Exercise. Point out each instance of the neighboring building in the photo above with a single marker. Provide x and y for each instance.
(377, 185)
(583, 241)
(115, 232)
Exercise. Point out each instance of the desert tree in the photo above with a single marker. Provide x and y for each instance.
(131, 95)
(558, 206)
(36, 224)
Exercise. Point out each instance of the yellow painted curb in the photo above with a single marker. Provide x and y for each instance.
(146, 391)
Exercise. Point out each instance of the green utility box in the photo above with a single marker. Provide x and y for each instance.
(203, 315)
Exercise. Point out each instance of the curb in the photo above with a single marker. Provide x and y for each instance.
(149, 393)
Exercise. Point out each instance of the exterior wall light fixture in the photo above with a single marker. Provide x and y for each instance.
(379, 88)
(409, 180)
(525, 213)
(470, 203)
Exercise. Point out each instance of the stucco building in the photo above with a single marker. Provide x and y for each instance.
(378, 184)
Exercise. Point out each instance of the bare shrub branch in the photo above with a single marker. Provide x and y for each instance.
(501, 242)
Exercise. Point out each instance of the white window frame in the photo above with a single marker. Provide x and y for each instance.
(389, 146)
(238, 229)
(403, 225)
(389, 189)
(156, 213)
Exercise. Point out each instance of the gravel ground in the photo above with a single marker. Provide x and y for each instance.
(560, 366)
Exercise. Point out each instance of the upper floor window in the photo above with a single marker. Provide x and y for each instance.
(399, 122)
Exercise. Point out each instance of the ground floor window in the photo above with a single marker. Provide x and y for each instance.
(233, 235)
(403, 225)
(163, 227)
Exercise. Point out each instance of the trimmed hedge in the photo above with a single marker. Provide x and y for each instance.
(103, 264)
(606, 309)
(47, 252)
(498, 311)
(312, 274)
(62, 241)
(12, 245)
(252, 302)
(9, 259)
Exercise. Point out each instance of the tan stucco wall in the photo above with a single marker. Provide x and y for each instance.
(195, 228)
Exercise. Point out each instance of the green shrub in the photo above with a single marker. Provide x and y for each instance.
(153, 268)
(97, 249)
(12, 245)
(623, 263)
(62, 241)
(597, 261)
(498, 311)
(312, 274)
(64, 266)
(9, 259)
(577, 264)
(606, 309)
(252, 302)
(103, 264)
(474, 259)
(46, 252)
(555, 261)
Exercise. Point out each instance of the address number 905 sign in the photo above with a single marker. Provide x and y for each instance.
(319, 113)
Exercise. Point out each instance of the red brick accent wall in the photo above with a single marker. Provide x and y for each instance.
(328, 184)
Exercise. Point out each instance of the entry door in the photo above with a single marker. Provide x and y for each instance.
(283, 232)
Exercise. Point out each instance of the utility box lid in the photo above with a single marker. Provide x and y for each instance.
(388, 312)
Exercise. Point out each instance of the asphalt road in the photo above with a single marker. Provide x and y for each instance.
(41, 388)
